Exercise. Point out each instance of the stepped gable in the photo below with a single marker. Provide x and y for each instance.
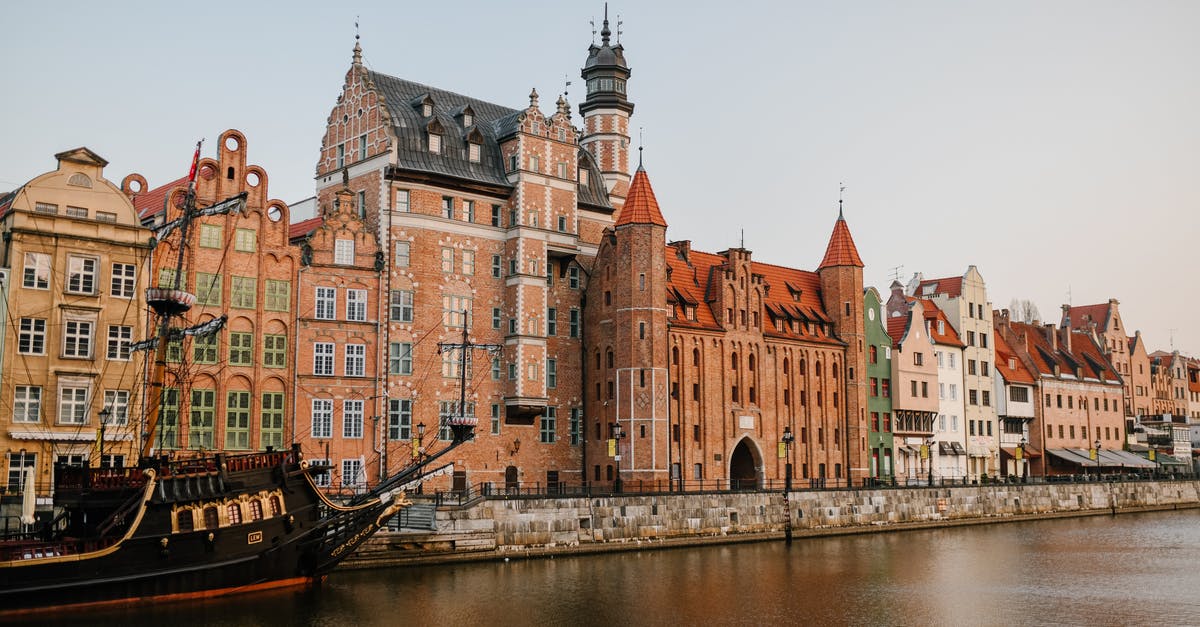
(1005, 355)
(948, 336)
(1081, 317)
(641, 207)
(791, 295)
(949, 286)
(841, 250)
(153, 202)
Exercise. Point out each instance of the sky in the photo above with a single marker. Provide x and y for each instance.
(1054, 145)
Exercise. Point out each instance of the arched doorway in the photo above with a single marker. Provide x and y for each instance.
(744, 465)
(511, 484)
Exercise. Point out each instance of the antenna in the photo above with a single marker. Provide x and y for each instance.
(355, 28)
(1171, 333)
(743, 244)
(1069, 295)
(897, 272)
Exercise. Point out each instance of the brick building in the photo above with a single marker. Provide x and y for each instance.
(1142, 393)
(1103, 322)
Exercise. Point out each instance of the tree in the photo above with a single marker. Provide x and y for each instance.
(1024, 310)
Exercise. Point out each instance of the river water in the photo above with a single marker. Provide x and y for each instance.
(1127, 569)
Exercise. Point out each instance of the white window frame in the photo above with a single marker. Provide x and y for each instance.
(400, 308)
(326, 303)
(352, 419)
(119, 339)
(82, 273)
(245, 240)
(322, 418)
(403, 253)
(343, 252)
(323, 353)
(117, 403)
(27, 404)
(78, 338)
(356, 305)
(36, 275)
(124, 280)
(402, 200)
(73, 403)
(356, 360)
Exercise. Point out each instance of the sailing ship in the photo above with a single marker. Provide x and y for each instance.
(205, 526)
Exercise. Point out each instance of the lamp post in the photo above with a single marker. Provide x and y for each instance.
(1024, 461)
(617, 435)
(1097, 443)
(104, 414)
(787, 439)
(418, 449)
(929, 458)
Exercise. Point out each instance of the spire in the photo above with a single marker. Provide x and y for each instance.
(357, 47)
(641, 207)
(604, 32)
(841, 250)
(533, 98)
(563, 107)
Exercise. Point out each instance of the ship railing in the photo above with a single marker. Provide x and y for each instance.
(17, 551)
(255, 461)
(68, 478)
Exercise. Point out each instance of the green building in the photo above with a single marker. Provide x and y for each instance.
(879, 380)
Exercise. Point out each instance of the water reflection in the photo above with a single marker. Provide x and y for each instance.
(1130, 569)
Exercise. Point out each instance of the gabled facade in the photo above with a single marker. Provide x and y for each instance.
(880, 440)
(1103, 322)
(914, 380)
(950, 430)
(76, 262)
(1016, 403)
(964, 300)
(1142, 392)
(234, 390)
(1168, 380)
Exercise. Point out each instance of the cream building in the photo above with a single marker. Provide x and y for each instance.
(75, 255)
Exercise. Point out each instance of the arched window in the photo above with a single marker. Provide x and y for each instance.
(803, 367)
(609, 357)
(276, 507)
(696, 357)
(733, 361)
(818, 367)
(785, 365)
(674, 355)
(234, 510)
(597, 360)
(833, 370)
(184, 520)
(211, 519)
(256, 510)
(750, 362)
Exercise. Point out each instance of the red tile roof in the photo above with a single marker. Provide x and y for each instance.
(303, 227)
(1083, 315)
(641, 207)
(947, 336)
(153, 202)
(841, 250)
(897, 326)
(1084, 353)
(950, 286)
(1018, 373)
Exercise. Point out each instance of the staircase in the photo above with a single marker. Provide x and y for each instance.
(415, 517)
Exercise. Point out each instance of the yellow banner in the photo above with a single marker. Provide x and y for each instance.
(1092, 454)
(416, 449)
(924, 451)
(1153, 455)
(1020, 453)
(612, 447)
(782, 450)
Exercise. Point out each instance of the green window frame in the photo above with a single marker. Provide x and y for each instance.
(237, 420)
(204, 349)
(274, 351)
(245, 240)
(279, 295)
(241, 349)
(204, 411)
(166, 278)
(168, 424)
(243, 292)
(210, 235)
(208, 289)
(272, 420)
(400, 358)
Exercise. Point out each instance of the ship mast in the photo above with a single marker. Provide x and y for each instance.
(460, 424)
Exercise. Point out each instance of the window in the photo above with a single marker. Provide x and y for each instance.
(496, 267)
(356, 360)
(72, 405)
(986, 398)
(983, 341)
(403, 251)
(399, 419)
(243, 293)
(551, 321)
(952, 360)
(320, 479)
(473, 152)
(983, 368)
(548, 427)
(535, 163)
(245, 240)
(468, 262)
(469, 210)
(401, 309)
(573, 323)
(204, 349)
(322, 418)
(447, 207)
(495, 420)
(973, 397)
(81, 275)
(210, 236)
(918, 359)
(27, 403)
(237, 420)
(954, 391)
(452, 358)
(552, 373)
(352, 472)
(971, 366)
(971, 336)
(352, 419)
(37, 271)
(573, 277)
(241, 349)
(400, 358)
(575, 426)
(402, 200)
(279, 295)
(323, 359)
(341, 155)
(326, 303)
(17, 465)
(496, 369)
(31, 340)
(208, 288)
(119, 338)
(168, 426)
(448, 410)
(124, 280)
(204, 411)
(435, 143)
(495, 215)
(343, 252)
(275, 351)
(356, 305)
(453, 310)
(77, 338)
(272, 420)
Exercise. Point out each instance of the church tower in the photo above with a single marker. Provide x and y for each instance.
(606, 112)
(841, 273)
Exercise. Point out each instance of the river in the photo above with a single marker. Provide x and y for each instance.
(1101, 570)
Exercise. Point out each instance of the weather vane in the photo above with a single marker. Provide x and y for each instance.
(620, 23)
(593, 23)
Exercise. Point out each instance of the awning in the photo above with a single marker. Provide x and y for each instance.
(1030, 452)
(1170, 460)
(1131, 460)
(1071, 456)
(907, 450)
(944, 448)
(958, 448)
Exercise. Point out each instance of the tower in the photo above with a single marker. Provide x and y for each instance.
(606, 112)
(841, 273)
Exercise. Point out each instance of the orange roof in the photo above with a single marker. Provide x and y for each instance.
(897, 326)
(641, 207)
(153, 202)
(1004, 354)
(946, 336)
(303, 227)
(950, 286)
(1084, 353)
(1083, 315)
(841, 250)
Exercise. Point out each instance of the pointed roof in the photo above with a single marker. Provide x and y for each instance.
(641, 207)
(841, 250)
(1080, 316)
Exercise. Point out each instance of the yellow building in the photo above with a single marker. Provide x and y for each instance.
(77, 263)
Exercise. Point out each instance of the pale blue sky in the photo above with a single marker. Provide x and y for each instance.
(1056, 145)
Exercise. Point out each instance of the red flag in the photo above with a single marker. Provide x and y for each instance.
(195, 162)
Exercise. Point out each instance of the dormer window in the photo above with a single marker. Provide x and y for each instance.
(473, 152)
(474, 143)
(435, 143)
(583, 176)
(468, 119)
(427, 110)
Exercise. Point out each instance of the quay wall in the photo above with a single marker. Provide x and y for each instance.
(498, 527)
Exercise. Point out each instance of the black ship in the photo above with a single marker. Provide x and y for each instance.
(194, 528)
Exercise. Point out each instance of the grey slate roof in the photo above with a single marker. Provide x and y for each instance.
(492, 121)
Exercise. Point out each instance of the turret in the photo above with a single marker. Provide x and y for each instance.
(606, 112)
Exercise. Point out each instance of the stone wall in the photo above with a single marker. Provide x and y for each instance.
(524, 527)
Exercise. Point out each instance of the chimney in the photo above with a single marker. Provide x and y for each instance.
(683, 248)
(1052, 336)
(1067, 332)
(1066, 319)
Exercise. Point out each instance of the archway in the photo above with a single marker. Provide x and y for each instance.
(744, 466)
(511, 483)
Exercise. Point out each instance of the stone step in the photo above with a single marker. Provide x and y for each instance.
(418, 516)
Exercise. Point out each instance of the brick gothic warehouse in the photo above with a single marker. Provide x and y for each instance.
(624, 357)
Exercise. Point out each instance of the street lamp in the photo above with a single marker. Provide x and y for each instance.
(787, 439)
(1024, 461)
(617, 435)
(104, 414)
(929, 457)
(1098, 443)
